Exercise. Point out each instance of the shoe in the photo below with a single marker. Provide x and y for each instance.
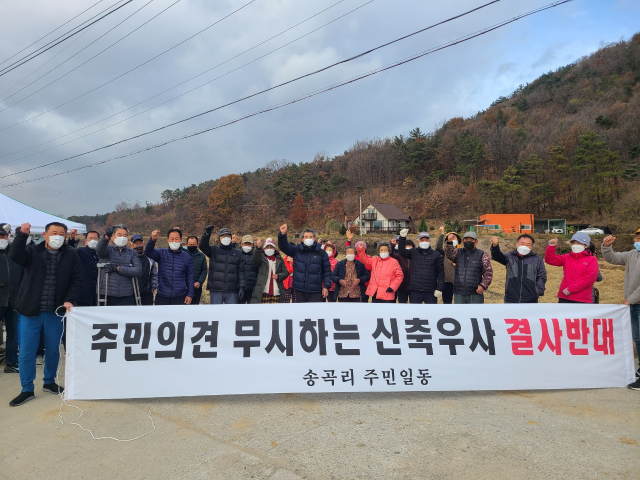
(635, 385)
(24, 397)
(638, 373)
(40, 360)
(14, 368)
(53, 388)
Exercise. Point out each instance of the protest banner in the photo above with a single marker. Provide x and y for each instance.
(170, 351)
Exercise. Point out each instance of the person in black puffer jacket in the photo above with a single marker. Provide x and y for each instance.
(200, 268)
(226, 282)
(123, 266)
(10, 278)
(311, 266)
(52, 278)
(250, 268)
(427, 269)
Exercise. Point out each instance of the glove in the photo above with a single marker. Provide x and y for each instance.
(390, 290)
(110, 268)
(240, 293)
(208, 229)
(403, 232)
(437, 294)
(566, 292)
(109, 232)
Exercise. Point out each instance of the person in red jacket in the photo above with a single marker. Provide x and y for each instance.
(580, 269)
(386, 274)
(288, 282)
(332, 251)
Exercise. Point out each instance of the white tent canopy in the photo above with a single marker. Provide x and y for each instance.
(16, 213)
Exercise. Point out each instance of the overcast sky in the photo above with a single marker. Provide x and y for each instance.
(458, 81)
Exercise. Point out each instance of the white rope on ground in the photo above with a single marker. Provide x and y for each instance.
(63, 402)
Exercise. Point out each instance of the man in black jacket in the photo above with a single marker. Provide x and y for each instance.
(199, 268)
(52, 279)
(426, 267)
(226, 282)
(10, 277)
(89, 260)
(526, 273)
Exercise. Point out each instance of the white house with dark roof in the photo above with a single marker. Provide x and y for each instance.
(381, 217)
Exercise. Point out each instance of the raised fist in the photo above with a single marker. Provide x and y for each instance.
(608, 240)
(234, 238)
(495, 241)
(403, 232)
(441, 230)
(258, 243)
(283, 229)
(109, 232)
(73, 233)
(208, 229)
(155, 235)
(349, 235)
(25, 228)
(553, 242)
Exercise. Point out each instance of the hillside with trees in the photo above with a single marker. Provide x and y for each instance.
(566, 145)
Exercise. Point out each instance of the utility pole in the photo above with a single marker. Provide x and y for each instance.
(360, 218)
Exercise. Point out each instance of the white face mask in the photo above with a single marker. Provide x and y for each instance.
(247, 249)
(384, 255)
(4, 243)
(309, 242)
(174, 246)
(92, 244)
(329, 252)
(577, 248)
(454, 243)
(351, 257)
(522, 250)
(226, 241)
(269, 252)
(56, 241)
(121, 241)
(424, 245)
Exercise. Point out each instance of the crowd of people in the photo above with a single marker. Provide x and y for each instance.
(38, 283)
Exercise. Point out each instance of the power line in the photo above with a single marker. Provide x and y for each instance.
(182, 83)
(290, 102)
(13, 66)
(128, 71)
(255, 94)
(91, 58)
(44, 36)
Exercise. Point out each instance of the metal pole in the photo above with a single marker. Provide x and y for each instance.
(360, 218)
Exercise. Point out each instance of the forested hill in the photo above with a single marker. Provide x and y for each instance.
(566, 145)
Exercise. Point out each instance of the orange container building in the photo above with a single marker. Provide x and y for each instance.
(506, 223)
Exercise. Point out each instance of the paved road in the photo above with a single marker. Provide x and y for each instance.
(577, 434)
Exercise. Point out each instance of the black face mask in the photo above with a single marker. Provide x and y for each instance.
(469, 245)
(140, 250)
(193, 249)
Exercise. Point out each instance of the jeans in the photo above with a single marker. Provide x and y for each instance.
(30, 327)
(219, 298)
(635, 327)
(463, 299)
(417, 297)
(11, 324)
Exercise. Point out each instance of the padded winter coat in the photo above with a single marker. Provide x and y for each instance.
(33, 261)
(199, 266)
(89, 260)
(426, 266)
(250, 269)
(175, 270)
(120, 283)
(311, 266)
(580, 273)
(384, 274)
(10, 278)
(225, 267)
(341, 271)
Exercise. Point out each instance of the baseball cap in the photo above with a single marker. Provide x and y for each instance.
(470, 235)
(424, 235)
(135, 238)
(582, 238)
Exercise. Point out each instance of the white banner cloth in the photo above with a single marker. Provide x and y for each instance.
(170, 351)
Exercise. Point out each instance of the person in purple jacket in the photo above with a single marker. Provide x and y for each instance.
(175, 269)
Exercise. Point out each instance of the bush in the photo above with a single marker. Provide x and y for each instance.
(343, 230)
(423, 226)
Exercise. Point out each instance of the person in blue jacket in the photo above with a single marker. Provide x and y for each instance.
(175, 269)
(311, 266)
